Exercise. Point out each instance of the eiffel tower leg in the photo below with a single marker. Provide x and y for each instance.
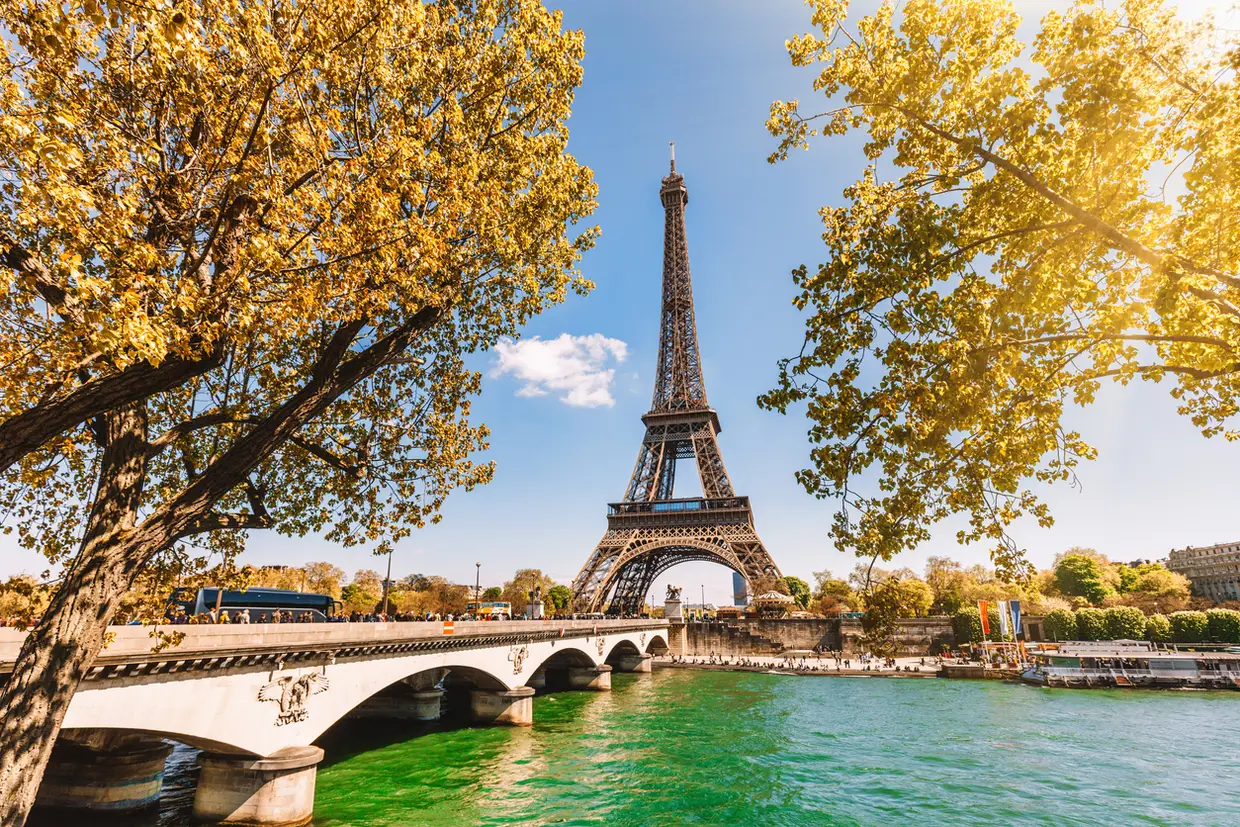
(592, 583)
(714, 476)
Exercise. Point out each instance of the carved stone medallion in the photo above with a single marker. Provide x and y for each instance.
(290, 693)
(518, 654)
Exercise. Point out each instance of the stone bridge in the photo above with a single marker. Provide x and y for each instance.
(256, 697)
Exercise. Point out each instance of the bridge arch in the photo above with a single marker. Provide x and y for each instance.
(657, 645)
(623, 648)
(565, 657)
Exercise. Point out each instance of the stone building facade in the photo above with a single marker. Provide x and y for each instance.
(1213, 571)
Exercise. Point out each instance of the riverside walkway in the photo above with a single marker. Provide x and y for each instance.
(255, 698)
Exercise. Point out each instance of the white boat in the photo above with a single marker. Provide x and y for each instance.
(1130, 664)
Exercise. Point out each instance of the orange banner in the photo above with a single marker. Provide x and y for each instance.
(983, 606)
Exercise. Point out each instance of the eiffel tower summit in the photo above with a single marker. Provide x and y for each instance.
(651, 530)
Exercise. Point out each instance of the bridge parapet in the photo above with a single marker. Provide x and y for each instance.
(133, 645)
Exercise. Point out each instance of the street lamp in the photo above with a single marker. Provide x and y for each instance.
(703, 601)
(387, 584)
(477, 589)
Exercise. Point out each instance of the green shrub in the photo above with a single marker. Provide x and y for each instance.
(1125, 623)
(967, 623)
(1061, 624)
(1091, 624)
(1158, 629)
(1189, 627)
(1224, 625)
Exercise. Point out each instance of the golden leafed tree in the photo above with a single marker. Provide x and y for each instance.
(1037, 220)
(246, 249)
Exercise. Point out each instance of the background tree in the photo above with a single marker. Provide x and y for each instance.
(492, 593)
(833, 595)
(559, 597)
(323, 578)
(947, 579)
(1078, 575)
(1035, 221)
(22, 599)
(516, 590)
(798, 590)
(237, 292)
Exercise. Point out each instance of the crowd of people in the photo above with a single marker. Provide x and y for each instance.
(809, 662)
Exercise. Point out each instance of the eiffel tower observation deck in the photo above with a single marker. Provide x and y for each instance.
(651, 530)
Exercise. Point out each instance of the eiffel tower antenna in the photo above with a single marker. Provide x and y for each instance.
(650, 530)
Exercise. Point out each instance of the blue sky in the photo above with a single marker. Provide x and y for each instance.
(703, 73)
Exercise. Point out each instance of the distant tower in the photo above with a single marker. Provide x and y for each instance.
(740, 590)
(650, 531)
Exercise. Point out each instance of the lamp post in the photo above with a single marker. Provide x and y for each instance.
(477, 589)
(703, 601)
(387, 584)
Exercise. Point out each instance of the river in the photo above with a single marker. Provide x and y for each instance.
(690, 747)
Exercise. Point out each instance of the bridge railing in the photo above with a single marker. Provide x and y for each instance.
(138, 642)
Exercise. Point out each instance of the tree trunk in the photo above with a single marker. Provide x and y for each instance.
(58, 652)
(63, 646)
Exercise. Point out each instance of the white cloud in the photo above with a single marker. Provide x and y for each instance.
(574, 367)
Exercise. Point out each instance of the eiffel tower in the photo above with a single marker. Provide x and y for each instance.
(651, 531)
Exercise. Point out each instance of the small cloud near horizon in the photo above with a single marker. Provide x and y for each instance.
(573, 367)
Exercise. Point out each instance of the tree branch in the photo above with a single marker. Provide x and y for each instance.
(1117, 237)
(219, 521)
(27, 431)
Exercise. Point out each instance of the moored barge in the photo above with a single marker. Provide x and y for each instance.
(1130, 664)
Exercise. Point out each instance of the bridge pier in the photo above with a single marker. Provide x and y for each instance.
(593, 678)
(407, 705)
(634, 663)
(511, 707)
(106, 772)
(277, 791)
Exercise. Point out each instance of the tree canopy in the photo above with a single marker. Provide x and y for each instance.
(1036, 220)
(246, 249)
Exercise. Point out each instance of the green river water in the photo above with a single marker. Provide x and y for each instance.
(689, 747)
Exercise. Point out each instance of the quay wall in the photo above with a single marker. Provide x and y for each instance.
(916, 636)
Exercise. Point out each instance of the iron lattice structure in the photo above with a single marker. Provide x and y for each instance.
(651, 530)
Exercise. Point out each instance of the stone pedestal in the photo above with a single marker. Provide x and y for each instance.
(672, 609)
(676, 638)
(512, 707)
(113, 781)
(276, 791)
(534, 610)
(423, 705)
(634, 663)
(538, 680)
(593, 678)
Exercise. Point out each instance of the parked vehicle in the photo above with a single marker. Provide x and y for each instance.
(319, 607)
